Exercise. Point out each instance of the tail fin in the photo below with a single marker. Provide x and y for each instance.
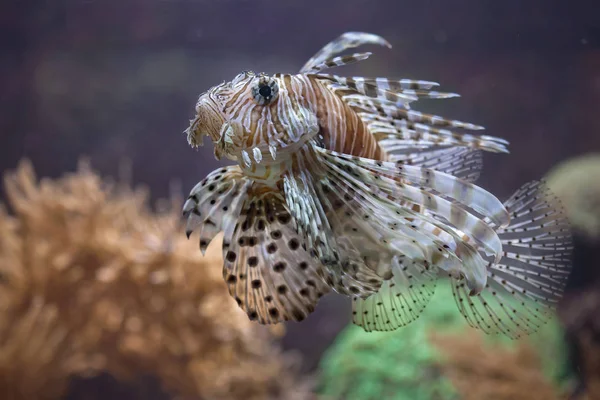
(524, 287)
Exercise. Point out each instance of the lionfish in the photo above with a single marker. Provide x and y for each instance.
(340, 184)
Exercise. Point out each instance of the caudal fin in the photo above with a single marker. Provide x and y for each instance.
(524, 287)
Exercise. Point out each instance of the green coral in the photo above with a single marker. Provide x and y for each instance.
(390, 365)
(551, 348)
(404, 364)
(384, 366)
(576, 182)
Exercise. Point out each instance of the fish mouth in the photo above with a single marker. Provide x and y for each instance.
(207, 122)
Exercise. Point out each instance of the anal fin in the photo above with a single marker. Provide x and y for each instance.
(401, 299)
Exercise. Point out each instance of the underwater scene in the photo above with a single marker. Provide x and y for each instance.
(334, 200)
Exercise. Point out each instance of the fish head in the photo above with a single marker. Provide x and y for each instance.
(254, 118)
(209, 116)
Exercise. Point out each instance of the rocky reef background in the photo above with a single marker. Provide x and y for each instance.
(116, 82)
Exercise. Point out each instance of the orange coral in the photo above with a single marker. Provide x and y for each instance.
(481, 372)
(92, 280)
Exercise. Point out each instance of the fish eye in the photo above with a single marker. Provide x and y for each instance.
(265, 90)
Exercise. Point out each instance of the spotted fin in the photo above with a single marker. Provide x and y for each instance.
(525, 286)
(400, 300)
(266, 266)
(214, 204)
(345, 41)
(310, 217)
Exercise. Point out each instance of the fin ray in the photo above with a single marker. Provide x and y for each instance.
(401, 299)
(343, 42)
(315, 224)
(399, 227)
(339, 62)
(214, 203)
(461, 162)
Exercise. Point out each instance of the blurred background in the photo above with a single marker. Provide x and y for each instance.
(117, 81)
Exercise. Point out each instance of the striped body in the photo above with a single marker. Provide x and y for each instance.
(340, 184)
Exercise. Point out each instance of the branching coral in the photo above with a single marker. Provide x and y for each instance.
(374, 365)
(93, 280)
